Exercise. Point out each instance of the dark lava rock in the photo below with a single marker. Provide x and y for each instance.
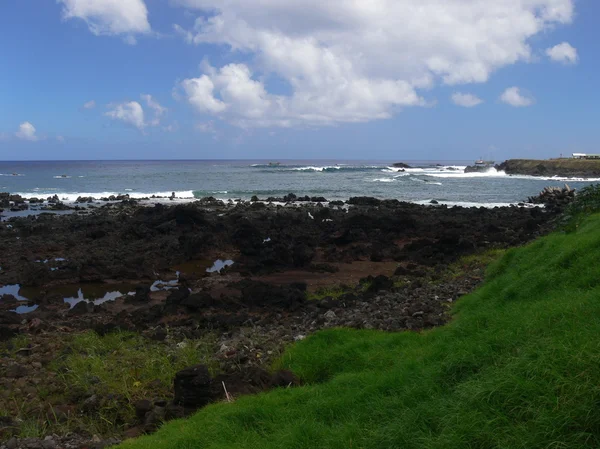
(401, 165)
(284, 378)
(6, 333)
(261, 294)
(142, 407)
(364, 201)
(377, 283)
(193, 387)
(16, 371)
(198, 301)
(177, 295)
(82, 308)
(142, 294)
(8, 318)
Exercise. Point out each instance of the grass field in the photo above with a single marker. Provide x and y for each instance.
(518, 367)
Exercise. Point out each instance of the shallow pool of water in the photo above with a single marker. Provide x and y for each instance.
(219, 265)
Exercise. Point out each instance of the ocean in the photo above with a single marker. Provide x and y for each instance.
(443, 181)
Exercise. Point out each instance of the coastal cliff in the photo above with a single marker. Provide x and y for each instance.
(551, 167)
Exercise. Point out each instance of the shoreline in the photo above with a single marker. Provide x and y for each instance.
(286, 272)
(16, 205)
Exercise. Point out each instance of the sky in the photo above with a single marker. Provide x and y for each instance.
(290, 79)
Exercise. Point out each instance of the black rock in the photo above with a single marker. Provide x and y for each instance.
(364, 201)
(197, 301)
(193, 387)
(142, 407)
(82, 308)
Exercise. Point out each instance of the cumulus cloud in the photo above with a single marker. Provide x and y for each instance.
(130, 113)
(342, 61)
(110, 17)
(513, 96)
(466, 100)
(26, 132)
(157, 109)
(563, 53)
(89, 105)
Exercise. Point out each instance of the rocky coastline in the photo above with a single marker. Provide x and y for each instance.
(584, 168)
(245, 279)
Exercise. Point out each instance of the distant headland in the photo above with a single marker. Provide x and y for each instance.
(577, 166)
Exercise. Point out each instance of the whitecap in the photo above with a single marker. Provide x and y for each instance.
(381, 180)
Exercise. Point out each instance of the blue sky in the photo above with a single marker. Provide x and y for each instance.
(216, 79)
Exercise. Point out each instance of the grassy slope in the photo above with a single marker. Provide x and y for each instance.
(518, 367)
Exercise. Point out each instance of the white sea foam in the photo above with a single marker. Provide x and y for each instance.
(71, 197)
(61, 177)
(473, 204)
(382, 180)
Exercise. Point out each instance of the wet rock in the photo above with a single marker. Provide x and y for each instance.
(364, 201)
(85, 199)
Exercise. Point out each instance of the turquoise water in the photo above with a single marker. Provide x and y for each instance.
(335, 179)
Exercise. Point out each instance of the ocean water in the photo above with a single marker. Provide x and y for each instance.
(444, 181)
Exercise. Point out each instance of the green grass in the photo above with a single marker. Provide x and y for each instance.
(129, 365)
(518, 367)
(119, 368)
(473, 263)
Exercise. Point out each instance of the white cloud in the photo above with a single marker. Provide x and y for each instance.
(130, 113)
(158, 110)
(351, 61)
(26, 132)
(89, 105)
(109, 17)
(515, 97)
(563, 53)
(466, 100)
(60, 139)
